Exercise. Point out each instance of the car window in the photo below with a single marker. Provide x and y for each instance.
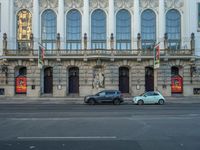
(155, 94)
(110, 93)
(102, 94)
(148, 94)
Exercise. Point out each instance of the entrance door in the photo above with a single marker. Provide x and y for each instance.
(149, 79)
(48, 80)
(124, 80)
(74, 80)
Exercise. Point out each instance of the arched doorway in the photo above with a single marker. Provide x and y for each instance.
(124, 79)
(176, 81)
(73, 80)
(20, 80)
(149, 79)
(48, 80)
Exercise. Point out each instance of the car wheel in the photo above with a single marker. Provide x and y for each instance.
(116, 102)
(161, 102)
(140, 102)
(91, 101)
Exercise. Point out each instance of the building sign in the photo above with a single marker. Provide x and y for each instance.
(21, 85)
(177, 84)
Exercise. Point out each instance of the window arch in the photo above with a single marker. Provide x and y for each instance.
(173, 28)
(24, 29)
(49, 29)
(73, 34)
(123, 30)
(98, 29)
(148, 28)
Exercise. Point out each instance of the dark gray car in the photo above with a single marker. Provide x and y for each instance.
(113, 96)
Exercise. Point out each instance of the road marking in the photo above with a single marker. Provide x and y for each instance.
(67, 137)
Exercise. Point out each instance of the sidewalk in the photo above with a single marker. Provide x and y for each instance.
(79, 100)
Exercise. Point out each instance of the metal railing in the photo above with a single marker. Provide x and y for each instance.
(98, 52)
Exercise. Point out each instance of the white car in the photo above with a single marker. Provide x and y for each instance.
(152, 97)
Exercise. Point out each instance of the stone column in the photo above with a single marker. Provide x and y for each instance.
(85, 23)
(60, 23)
(111, 24)
(161, 23)
(136, 23)
(36, 23)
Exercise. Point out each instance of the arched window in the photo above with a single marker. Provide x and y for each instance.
(49, 30)
(24, 29)
(123, 30)
(73, 30)
(173, 28)
(148, 28)
(98, 29)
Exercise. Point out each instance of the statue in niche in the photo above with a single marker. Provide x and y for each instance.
(98, 79)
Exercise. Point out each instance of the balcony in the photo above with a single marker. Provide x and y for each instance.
(30, 52)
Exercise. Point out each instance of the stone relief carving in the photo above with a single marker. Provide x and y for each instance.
(98, 78)
(98, 3)
(74, 3)
(173, 4)
(48, 3)
(23, 3)
(123, 3)
(149, 3)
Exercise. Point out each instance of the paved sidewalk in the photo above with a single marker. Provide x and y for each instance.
(79, 100)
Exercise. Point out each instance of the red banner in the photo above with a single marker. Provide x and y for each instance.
(177, 84)
(21, 85)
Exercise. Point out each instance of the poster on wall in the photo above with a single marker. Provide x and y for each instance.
(21, 85)
(177, 84)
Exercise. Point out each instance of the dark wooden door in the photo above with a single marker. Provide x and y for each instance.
(149, 79)
(48, 80)
(74, 80)
(124, 80)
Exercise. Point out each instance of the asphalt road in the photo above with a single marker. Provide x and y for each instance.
(99, 127)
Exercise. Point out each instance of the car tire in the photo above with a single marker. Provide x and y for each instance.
(91, 101)
(140, 102)
(116, 102)
(161, 102)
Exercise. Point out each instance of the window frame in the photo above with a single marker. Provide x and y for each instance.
(70, 43)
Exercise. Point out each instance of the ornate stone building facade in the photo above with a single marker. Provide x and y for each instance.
(92, 45)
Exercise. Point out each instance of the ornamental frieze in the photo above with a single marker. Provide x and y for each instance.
(123, 3)
(74, 3)
(98, 4)
(173, 4)
(149, 3)
(48, 3)
(23, 3)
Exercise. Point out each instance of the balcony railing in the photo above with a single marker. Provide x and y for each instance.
(99, 52)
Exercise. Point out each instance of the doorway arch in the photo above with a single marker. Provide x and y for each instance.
(48, 80)
(73, 80)
(124, 79)
(149, 79)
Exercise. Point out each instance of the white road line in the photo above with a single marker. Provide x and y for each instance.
(67, 137)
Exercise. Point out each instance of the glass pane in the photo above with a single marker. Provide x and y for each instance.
(123, 29)
(98, 29)
(199, 15)
(173, 28)
(73, 29)
(148, 28)
(49, 30)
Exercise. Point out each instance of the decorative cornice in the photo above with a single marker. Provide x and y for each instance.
(149, 3)
(173, 4)
(73, 3)
(23, 3)
(98, 4)
(48, 3)
(123, 3)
